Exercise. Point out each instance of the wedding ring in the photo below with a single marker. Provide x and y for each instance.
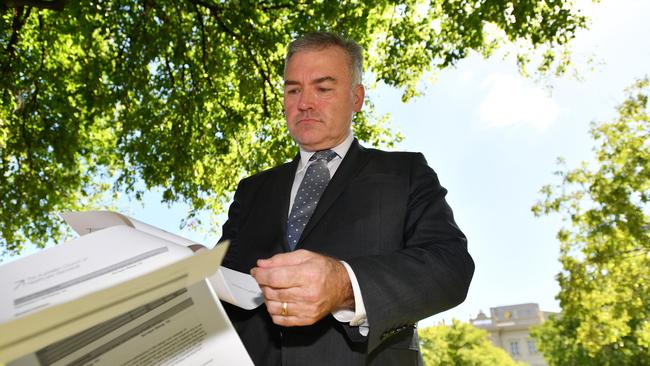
(285, 312)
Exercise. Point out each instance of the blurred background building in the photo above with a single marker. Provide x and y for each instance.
(509, 328)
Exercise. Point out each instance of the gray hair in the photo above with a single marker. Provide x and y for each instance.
(322, 40)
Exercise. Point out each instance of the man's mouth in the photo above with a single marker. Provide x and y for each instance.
(308, 120)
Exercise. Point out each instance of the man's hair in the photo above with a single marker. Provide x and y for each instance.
(317, 41)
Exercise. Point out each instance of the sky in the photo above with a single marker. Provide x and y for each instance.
(493, 137)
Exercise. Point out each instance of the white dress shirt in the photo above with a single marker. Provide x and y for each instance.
(358, 316)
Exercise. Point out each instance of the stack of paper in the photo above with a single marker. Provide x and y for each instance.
(124, 293)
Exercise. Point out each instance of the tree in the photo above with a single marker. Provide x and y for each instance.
(605, 254)
(100, 97)
(460, 344)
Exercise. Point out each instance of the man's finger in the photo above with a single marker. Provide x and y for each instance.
(278, 277)
(289, 321)
(290, 294)
(286, 259)
(290, 316)
(279, 308)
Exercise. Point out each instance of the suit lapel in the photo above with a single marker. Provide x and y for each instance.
(351, 165)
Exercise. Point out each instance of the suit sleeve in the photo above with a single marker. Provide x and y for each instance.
(230, 229)
(430, 274)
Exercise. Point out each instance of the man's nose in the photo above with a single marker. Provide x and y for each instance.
(306, 101)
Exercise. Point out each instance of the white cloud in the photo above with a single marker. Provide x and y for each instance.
(512, 100)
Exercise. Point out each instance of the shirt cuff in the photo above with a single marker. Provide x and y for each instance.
(358, 316)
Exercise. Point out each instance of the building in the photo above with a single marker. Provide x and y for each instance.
(509, 329)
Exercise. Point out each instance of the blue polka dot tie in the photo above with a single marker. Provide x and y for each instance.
(311, 188)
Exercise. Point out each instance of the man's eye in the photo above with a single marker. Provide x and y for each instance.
(324, 90)
(293, 91)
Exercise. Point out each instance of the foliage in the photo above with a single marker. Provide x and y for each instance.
(605, 255)
(100, 97)
(460, 344)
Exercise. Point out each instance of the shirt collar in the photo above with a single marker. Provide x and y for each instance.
(340, 149)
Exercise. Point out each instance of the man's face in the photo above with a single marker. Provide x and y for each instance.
(319, 98)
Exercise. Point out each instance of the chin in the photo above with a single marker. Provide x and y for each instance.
(309, 137)
(311, 146)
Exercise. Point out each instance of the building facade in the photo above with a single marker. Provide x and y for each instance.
(509, 328)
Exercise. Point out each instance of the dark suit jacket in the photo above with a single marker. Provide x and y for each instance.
(385, 214)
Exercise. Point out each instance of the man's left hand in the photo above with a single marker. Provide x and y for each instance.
(312, 285)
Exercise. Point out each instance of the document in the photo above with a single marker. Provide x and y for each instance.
(121, 294)
(239, 289)
(178, 329)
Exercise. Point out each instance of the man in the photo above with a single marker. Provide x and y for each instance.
(346, 282)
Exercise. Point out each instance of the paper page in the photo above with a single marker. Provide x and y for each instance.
(78, 284)
(239, 289)
(186, 327)
(161, 233)
(88, 221)
(234, 287)
(81, 266)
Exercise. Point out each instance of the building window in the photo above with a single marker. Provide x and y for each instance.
(531, 347)
(514, 348)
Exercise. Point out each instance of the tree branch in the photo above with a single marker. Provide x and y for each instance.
(290, 5)
(20, 17)
(199, 16)
(56, 5)
(215, 12)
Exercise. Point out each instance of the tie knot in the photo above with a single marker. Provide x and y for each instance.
(326, 155)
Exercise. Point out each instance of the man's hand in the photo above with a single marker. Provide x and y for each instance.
(312, 285)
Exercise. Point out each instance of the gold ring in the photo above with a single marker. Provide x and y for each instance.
(285, 311)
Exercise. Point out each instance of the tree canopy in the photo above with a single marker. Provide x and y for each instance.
(605, 252)
(106, 96)
(460, 344)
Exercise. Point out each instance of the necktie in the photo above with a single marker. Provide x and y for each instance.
(311, 188)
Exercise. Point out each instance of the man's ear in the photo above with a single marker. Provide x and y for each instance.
(359, 93)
